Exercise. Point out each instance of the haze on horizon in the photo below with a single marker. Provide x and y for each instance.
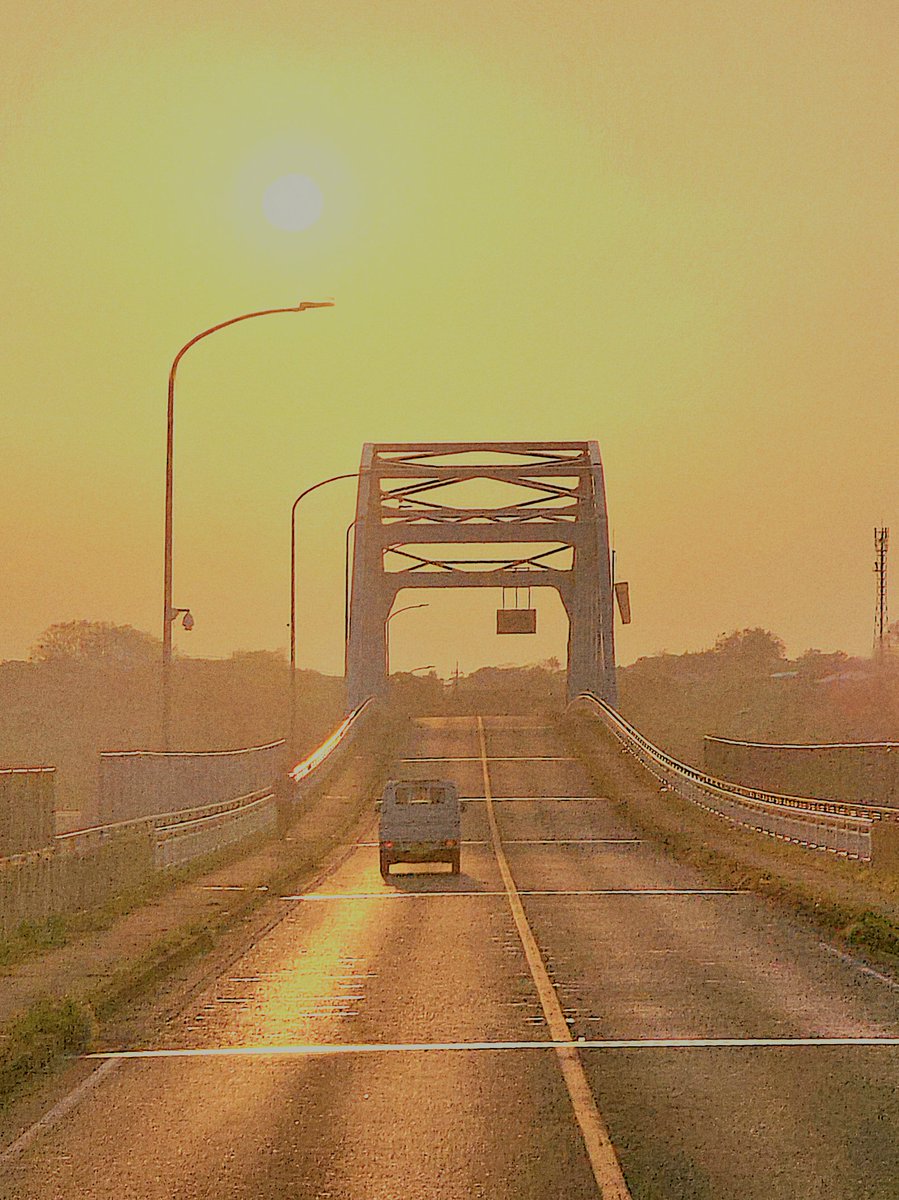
(670, 228)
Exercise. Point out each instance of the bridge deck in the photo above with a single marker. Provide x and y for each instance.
(389, 1040)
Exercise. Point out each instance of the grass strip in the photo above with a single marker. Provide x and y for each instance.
(51, 1030)
(843, 899)
(38, 1040)
(33, 938)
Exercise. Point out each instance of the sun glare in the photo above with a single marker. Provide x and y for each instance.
(293, 202)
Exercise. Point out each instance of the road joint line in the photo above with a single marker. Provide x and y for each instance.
(656, 893)
(335, 1049)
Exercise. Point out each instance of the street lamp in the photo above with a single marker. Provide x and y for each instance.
(350, 529)
(293, 593)
(169, 613)
(405, 608)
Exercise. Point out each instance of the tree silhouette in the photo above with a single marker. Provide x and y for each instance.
(95, 642)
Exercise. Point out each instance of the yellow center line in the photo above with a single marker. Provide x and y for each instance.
(597, 1142)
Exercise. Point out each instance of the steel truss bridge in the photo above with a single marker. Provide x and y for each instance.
(548, 527)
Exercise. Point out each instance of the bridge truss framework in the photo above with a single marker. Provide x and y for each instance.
(408, 517)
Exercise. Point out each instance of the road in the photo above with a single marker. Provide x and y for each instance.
(327, 1064)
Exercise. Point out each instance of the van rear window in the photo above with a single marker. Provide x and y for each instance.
(410, 793)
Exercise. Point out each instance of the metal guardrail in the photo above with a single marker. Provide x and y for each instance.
(842, 828)
(83, 868)
(178, 837)
(177, 844)
(321, 753)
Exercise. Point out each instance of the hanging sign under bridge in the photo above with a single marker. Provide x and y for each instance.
(516, 620)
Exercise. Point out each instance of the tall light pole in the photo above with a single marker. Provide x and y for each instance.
(405, 608)
(293, 594)
(351, 528)
(169, 613)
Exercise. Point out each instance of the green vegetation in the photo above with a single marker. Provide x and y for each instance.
(92, 686)
(744, 687)
(33, 937)
(848, 901)
(539, 688)
(37, 1041)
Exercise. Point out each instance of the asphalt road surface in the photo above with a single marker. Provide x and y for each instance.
(390, 1040)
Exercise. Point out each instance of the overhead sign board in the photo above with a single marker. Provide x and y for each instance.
(516, 620)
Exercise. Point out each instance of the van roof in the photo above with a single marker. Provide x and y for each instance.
(437, 782)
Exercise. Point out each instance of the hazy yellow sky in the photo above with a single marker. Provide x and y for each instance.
(667, 226)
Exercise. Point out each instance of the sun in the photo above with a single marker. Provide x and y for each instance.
(293, 202)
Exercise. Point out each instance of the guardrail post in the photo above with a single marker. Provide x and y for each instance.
(885, 847)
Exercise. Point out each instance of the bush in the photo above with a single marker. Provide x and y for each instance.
(37, 1040)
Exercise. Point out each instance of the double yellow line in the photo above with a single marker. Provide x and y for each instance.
(603, 1159)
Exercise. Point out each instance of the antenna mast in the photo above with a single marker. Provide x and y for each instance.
(881, 618)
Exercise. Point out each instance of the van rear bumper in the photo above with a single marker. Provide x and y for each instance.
(419, 852)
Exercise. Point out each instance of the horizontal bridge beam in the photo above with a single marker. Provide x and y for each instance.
(503, 578)
(402, 534)
(397, 469)
(437, 448)
(511, 513)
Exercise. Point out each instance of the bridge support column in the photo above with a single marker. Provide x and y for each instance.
(371, 596)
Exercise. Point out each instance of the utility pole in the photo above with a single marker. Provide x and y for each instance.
(881, 615)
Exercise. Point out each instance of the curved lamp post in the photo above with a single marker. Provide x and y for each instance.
(293, 592)
(405, 608)
(350, 529)
(169, 613)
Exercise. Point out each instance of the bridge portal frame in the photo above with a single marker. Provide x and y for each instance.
(567, 511)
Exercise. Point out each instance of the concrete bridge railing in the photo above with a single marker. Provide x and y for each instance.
(855, 830)
(142, 783)
(862, 772)
(27, 797)
(76, 870)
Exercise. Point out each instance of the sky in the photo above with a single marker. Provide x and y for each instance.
(668, 227)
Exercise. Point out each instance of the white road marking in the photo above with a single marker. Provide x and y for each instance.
(603, 1160)
(619, 841)
(476, 758)
(401, 895)
(330, 1049)
(542, 800)
(537, 842)
(54, 1115)
(231, 887)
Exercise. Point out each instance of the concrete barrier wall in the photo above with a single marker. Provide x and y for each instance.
(841, 827)
(143, 783)
(82, 869)
(864, 772)
(27, 799)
